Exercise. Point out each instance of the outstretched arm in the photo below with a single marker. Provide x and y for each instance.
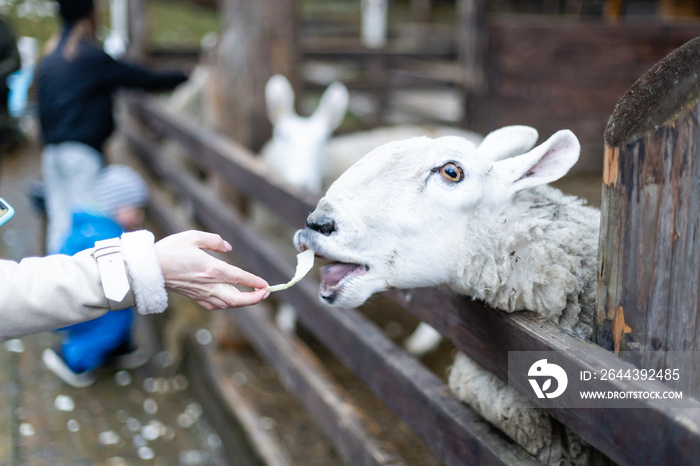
(45, 293)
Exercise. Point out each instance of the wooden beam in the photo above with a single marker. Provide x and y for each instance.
(349, 49)
(245, 442)
(303, 373)
(553, 73)
(648, 296)
(235, 163)
(139, 28)
(471, 46)
(258, 39)
(488, 335)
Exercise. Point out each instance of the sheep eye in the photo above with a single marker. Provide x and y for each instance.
(452, 172)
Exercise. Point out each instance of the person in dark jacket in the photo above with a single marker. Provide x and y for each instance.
(76, 83)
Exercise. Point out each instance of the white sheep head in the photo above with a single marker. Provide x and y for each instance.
(408, 213)
(297, 147)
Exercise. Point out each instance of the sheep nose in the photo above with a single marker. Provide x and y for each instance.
(321, 222)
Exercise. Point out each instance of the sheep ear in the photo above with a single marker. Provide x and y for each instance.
(507, 142)
(333, 105)
(545, 163)
(279, 98)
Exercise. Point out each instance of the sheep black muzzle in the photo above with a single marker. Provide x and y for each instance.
(321, 223)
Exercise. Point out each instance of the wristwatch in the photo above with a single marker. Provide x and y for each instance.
(116, 282)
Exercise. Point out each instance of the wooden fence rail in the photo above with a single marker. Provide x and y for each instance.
(661, 434)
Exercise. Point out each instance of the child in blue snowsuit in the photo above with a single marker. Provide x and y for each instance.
(90, 345)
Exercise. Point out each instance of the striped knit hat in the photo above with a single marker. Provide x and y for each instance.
(120, 186)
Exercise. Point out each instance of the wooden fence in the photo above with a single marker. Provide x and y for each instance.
(653, 433)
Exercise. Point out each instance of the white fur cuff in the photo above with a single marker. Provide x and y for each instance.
(147, 279)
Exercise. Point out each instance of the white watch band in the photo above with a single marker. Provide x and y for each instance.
(115, 279)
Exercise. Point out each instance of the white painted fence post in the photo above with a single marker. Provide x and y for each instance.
(117, 40)
(374, 23)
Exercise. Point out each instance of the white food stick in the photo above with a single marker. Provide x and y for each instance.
(305, 261)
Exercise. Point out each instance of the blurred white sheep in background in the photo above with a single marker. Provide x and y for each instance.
(297, 149)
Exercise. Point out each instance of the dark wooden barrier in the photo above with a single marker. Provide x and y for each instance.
(649, 302)
(545, 71)
(553, 73)
(452, 430)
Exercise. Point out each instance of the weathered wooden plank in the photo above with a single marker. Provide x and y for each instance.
(488, 335)
(302, 373)
(472, 49)
(648, 285)
(270, 448)
(230, 411)
(138, 29)
(242, 442)
(438, 71)
(191, 54)
(553, 73)
(351, 49)
(236, 164)
(257, 40)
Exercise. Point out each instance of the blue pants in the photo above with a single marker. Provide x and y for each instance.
(88, 344)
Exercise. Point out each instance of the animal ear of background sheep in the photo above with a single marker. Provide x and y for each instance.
(517, 244)
(299, 143)
(279, 98)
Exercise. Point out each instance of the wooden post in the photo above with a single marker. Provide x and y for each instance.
(649, 257)
(257, 40)
(138, 30)
(373, 30)
(471, 51)
(421, 9)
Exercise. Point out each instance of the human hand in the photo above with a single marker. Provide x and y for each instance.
(191, 272)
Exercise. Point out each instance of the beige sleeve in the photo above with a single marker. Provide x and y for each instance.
(45, 293)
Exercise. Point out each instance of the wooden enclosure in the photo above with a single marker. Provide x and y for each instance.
(648, 303)
(546, 72)
(450, 429)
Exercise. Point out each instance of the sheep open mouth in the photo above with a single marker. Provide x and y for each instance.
(335, 275)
